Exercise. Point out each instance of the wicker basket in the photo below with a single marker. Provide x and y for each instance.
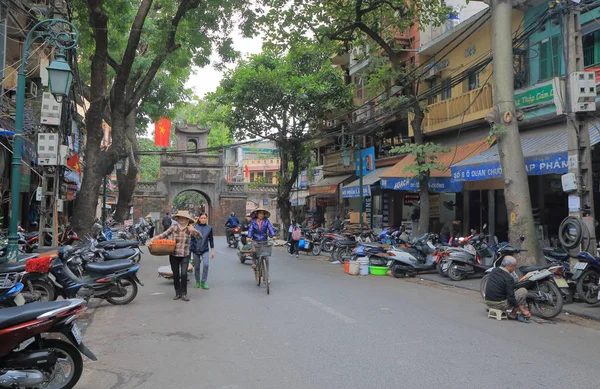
(161, 249)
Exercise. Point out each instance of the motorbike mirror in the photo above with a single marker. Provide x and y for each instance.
(484, 226)
(522, 238)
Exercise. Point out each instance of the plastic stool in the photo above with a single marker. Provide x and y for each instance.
(497, 314)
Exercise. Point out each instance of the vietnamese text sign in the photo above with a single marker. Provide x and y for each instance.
(436, 184)
(535, 166)
(327, 189)
(367, 157)
(352, 191)
(541, 94)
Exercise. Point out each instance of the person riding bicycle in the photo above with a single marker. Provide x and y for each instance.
(260, 230)
(230, 224)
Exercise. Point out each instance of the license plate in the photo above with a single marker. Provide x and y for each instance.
(76, 333)
(445, 266)
(19, 300)
(561, 283)
(581, 265)
(389, 263)
(237, 236)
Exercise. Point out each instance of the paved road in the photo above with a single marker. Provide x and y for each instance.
(320, 328)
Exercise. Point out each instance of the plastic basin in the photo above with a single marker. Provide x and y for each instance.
(378, 270)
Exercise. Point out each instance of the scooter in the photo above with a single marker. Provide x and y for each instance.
(418, 258)
(233, 236)
(114, 281)
(29, 359)
(11, 297)
(587, 277)
(244, 249)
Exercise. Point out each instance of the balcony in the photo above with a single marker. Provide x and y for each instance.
(457, 111)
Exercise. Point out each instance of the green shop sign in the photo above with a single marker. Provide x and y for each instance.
(541, 94)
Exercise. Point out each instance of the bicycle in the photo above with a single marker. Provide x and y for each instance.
(261, 274)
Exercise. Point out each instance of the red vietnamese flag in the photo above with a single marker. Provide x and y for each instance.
(162, 132)
(73, 163)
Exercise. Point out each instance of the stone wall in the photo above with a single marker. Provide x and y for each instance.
(222, 209)
(143, 205)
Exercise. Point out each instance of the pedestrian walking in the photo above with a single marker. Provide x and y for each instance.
(295, 234)
(200, 248)
(166, 221)
(182, 232)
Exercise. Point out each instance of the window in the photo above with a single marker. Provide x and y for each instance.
(591, 53)
(472, 80)
(551, 58)
(446, 89)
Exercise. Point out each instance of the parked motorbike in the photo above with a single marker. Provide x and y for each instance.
(415, 259)
(34, 287)
(11, 297)
(141, 231)
(587, 277)
(306, 243)
(29, 359)
(114, 281)
(543, 284)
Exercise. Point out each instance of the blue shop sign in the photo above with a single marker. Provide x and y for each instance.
(535, 166)
(353, 192)
(367, 157)
(436, 184)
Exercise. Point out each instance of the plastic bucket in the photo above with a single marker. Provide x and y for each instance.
(301, 243)
(364, 266)
(354, 268)
(346, 267)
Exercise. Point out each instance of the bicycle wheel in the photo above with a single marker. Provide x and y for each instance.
(265, 264)
(257, 272)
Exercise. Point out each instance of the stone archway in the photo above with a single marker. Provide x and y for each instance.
(192, 200)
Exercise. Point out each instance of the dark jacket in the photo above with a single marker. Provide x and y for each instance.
(200, 246)
(500, 287)
(232, 222)
(166, 222)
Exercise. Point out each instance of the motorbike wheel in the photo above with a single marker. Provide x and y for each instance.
(344, 253)
(440, 269)
(39, 291)
(397, 271)
(483, 285)
(586, 286)
(316, 250)
(327, 245)
(132, 291)
(545, 309)
(67, 371)
(335, 255)
(455, 274)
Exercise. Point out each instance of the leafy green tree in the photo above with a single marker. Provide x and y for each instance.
(141, 54)
(280, 97)
(370, 25)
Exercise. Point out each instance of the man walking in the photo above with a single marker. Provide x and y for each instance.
(166, 221)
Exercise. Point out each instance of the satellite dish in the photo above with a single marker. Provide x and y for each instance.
(450, 205)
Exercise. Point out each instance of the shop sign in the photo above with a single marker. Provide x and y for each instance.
(298, 198)
(326, 202)
(538, 95)
(535, 166)
(436, 184)
(319, 190)
(411, 198)
(367, 160)
(434, 206)
(265, 202)
(352, 191)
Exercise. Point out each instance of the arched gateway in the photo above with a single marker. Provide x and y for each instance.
(201, 172)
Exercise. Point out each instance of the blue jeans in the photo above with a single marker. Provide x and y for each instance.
(204, 259)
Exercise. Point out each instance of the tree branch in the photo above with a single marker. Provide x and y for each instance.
(113, 63)
(389, 51)
(170, 47)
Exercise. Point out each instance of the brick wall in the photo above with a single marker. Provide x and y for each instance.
(146, 204)
(223, 208)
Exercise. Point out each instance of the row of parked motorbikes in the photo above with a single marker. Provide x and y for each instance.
(30, 311)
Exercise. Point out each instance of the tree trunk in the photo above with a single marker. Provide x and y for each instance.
(127, 180)
(516, 186)
(423, 180)
(284, 210)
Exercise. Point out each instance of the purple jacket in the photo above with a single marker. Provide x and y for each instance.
(261, 234)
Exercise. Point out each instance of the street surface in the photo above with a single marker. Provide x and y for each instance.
(321, 328)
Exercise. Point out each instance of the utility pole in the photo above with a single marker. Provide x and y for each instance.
(503, 117)
(579, 151)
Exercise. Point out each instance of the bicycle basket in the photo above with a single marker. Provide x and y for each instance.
(263, 249)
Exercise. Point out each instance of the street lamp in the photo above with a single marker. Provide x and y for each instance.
(59, 79)
(359, 163)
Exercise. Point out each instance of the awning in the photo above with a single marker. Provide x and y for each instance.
(400, 178)
(351, 190)
(298, 198)
(328, 185)
(544, 154)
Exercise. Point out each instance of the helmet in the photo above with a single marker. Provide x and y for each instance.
(232, 214)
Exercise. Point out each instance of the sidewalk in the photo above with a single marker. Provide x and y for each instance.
(580, 309)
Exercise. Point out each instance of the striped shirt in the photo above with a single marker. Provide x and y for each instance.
(182, 237)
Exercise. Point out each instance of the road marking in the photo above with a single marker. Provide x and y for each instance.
(328, 309)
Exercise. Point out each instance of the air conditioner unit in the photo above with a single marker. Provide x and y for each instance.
(432, 73)
(32, 90)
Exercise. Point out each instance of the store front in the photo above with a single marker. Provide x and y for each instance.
(372, 197)
(325, 201)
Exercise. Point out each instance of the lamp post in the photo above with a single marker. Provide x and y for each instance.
(60, 77)
(359, 163)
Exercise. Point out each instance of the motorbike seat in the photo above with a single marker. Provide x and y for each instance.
(16, 267)
(118, 254)
(556, 254)
(527, 269)
(346, 243)
(109, 267)
(28, 312)
(118, 244)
